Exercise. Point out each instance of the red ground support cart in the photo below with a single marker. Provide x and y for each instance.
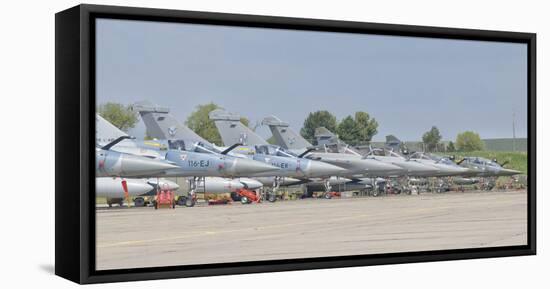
(165, 199)
(248, 197)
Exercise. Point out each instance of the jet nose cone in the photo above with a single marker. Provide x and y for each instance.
(509, 172)
(320, 169)
(247, 167)
(140, 166)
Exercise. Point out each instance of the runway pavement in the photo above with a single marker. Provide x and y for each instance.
(144, 237)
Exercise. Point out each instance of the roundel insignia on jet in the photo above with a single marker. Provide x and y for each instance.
(172, 130)
(183, 157)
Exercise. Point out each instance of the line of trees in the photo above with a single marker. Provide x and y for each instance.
(465, 141)
(119, 115)
(356, 129)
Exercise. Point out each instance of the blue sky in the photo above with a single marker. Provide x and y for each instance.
(408, 84)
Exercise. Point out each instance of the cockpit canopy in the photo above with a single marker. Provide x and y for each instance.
(273, 150)
(382, 152)
(447, 161)
(176, 145)
(187, 145)
(482, 161)
(424, 156)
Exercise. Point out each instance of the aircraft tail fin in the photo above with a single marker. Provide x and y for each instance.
(106, 132)
(284, 135)
(392, 141)
(325, 136)
(232, 130)
(396, 145)
(161, 124)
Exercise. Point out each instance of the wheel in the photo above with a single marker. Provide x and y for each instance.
(272, 198)
(327, 196)
(139, 202)
(189, 202)
(375, 193)
(235, 197)
(244, 200)
(181, 201)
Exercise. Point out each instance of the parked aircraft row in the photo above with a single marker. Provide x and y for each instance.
(248, 161)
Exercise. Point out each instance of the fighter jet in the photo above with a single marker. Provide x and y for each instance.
(111, 163)
(162, 125)
(329, 140)
(231, 129)
(446, 168)
(354, 163)
(486, 168)
(188, 163)
(292, 165)
(116, 173)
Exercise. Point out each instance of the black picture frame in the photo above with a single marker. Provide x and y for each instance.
(75, 138)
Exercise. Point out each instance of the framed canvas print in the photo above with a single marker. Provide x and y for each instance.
(196, 144)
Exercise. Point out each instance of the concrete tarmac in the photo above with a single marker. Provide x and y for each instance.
(144, 237)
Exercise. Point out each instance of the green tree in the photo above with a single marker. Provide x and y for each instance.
(119, 115)
(200, 123)
(315, 120)
(347, 130)
(431, 138)
(469, 141)
(451, 147)
(366, 127)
